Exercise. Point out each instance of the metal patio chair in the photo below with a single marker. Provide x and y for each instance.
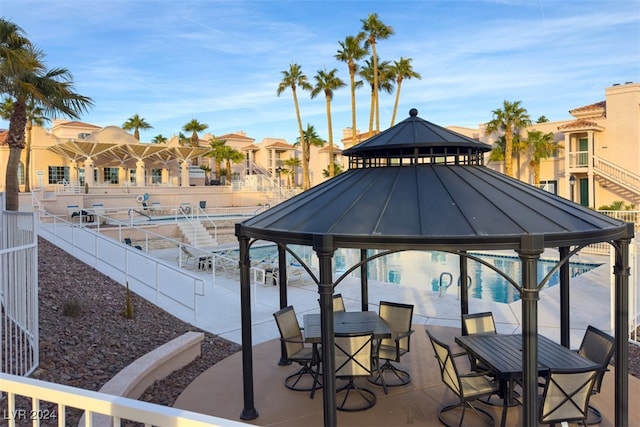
(296, 351)
(398, 318)
(467, 387)
(566, 396)
(354, 358)
(478, 323)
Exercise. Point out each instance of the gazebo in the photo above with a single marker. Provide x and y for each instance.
(418, 186)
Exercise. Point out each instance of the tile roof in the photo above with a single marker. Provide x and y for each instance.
(580, 124)
(75, 123)
(3, 137)
(279, 144)
(598, 107)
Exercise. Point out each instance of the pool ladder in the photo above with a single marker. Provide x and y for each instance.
(443, 287)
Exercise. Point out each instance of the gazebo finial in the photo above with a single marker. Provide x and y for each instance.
(413, 112)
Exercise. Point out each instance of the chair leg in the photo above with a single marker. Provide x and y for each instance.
(366, 397)
(291, 382)
(394, 377)
(479, 411)
(593, 416)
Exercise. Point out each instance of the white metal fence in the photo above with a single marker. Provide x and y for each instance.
(43, 403)
(18, 292)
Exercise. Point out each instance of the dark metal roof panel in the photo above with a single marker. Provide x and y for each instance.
(428, 203)
(416, 133)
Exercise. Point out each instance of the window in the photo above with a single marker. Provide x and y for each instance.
(81, 176)
(58, 174)
(549, 186)
(110, 176)
(132, 176)
(20, 173)
(156, 176)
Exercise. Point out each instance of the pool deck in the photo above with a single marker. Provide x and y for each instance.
(219, 308)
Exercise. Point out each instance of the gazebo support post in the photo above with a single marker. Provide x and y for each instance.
(531, 246)
(323, 246)
(282, 285)
(621, 272)
(364, 281)
(464, 290)
(249, 411)
(565, 305)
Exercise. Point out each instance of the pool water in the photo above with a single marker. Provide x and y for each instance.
(439, 271)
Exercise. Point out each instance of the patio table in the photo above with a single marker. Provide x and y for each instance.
(503, 355)
(346, 322)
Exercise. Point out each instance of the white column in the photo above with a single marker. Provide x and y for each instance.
(165, 176)
(184, 173)
(140, 178)
(88, 171)
(73, 171)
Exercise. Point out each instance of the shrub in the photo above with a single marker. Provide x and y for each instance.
(72, 307)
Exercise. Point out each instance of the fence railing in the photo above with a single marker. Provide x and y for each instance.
(19, 347)
(40, 402)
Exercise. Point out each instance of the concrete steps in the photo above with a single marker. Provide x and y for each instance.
(196, 234)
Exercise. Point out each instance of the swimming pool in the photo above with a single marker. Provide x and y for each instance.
(432, 269)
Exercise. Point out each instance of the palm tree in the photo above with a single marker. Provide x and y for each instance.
(217, 151)
(136, 123)
(327, 82)
(542, 119)
(385, 82)
(351, 50)
(290, 169)
(230, 154)
(510, 119)
(541, 146)
(26, 80)
(34, 117)
(402, 70)
(374, 30)
(292, 79)
(309, 137)
(159, 139)
(183, 139)
(195, 126)
(337, 170)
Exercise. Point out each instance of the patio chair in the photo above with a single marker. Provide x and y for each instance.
(296, 351)
(354, 358)
(398, 318)
(338, 303)
(598, 347)
(478, 323)
(467, 387)
(186, 257)
(128, 242)
(566, 396)
(73, 211)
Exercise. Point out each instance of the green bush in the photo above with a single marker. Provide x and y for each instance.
(72, 307)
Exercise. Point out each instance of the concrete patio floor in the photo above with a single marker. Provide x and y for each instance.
(219, 392)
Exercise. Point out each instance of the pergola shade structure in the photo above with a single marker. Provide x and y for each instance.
(418, 186)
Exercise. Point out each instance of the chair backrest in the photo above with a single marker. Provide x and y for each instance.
(187, 251)
(71, 209)
(338, 303)
(598, 347)
(448, 369)
(127, 241)
(478, 323)
(289, 328)
(566, 395)
(398, 318)
(353, 354)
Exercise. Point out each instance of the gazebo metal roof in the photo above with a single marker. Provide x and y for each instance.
(420, 186)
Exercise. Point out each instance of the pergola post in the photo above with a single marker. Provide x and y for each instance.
(323, 246)
(621, 272)
(565, 305)
(531, 246)
(282, 285)
(364, 281)
(249, 411)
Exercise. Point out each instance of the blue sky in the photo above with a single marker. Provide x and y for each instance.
(220, 62)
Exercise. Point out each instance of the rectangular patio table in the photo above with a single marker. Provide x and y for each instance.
(503, 355)
(346, 322)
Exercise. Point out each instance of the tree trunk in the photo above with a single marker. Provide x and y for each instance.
(15, 141)
(27, 158)
(352, 78)
(332, 172)
(395, 104)
(306, 182)
(508, 153)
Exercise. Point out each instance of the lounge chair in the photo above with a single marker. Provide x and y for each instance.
(183, 259)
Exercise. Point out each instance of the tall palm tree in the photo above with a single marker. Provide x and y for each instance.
(292, 79)
(136, 123)
(229, 155)
(402, 70)
(217, 153)
(510, 119)
(290, 169)
(541, 146)
(374, 30)
(159, 139)
(327, 82)
(195, 126)
(309, 137)
(385, 82)
(351, 50)
(34, 117)
(28, 80)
